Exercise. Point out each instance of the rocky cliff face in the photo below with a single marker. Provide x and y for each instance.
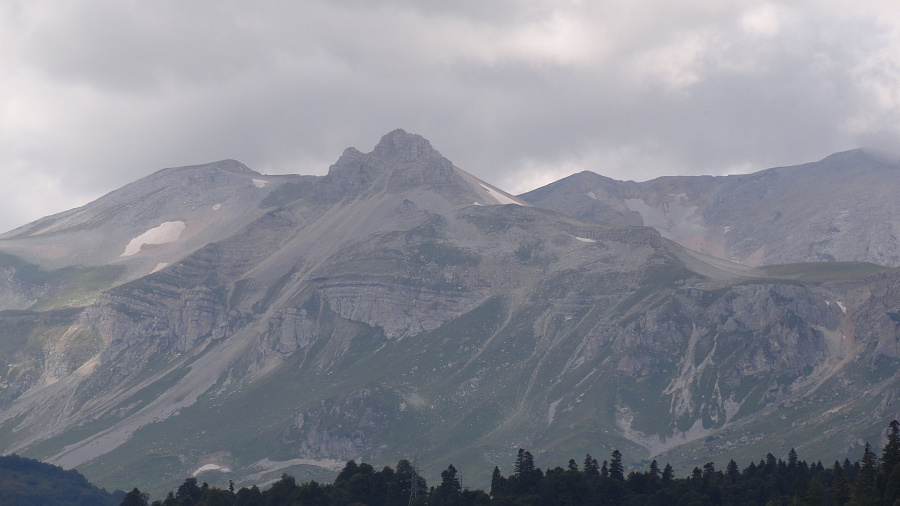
(878, 318)
(377, 313)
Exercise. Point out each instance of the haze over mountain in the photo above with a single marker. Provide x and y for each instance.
(216, 321)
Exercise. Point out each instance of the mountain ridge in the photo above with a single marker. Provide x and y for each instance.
(400, 306)
(839, 208)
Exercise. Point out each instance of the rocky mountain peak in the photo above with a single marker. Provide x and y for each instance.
(399, 162)
(404, 146)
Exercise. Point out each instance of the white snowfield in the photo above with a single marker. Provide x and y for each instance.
(585, 239)
(210, 467)
(499, 197)
(259, 183)
(167, 232)
(160, 266)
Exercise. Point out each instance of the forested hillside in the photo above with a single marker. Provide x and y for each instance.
(25, 481)
(871, 480)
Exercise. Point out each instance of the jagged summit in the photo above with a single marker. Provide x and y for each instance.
(404, 162)
(406, 146)
(397, 152)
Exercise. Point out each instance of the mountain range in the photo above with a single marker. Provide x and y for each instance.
(217, 322)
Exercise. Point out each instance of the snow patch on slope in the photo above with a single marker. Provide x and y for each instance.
(584, 239)
(551, 413)
(267, 466)
(499, 197)
(656, 443)
(675, 219)
(167, 232)
(259, 183)
(210, 467)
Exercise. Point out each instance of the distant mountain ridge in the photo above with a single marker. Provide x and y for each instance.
(216, 321)
(841, 208)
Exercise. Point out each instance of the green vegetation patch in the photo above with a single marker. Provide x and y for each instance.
(67, 287)
(823, 272)
(657, 278)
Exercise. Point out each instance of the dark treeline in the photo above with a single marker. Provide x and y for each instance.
(25, 482)
(871, 480)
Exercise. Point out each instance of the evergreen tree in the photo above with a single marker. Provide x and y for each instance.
(891, 494)
(696, 475)
(888, 479)
(313, 494)
(770, 465)
(590, 466)
(283, 490)
(654, 470)
(890, 455)
(616, 471)
(248, 496)
(668, 474)
(135, 498)
(750, 471)
(865, 480)
(528, 478)
(520, 458)
(792, 459)
(188, 492)
(840, 489)
(573, 466)
(350, 468)
(498, 483)
(448, 493)
(604, 470)
(450, 480)
(527, 464)
(731, 472)
(169, 500)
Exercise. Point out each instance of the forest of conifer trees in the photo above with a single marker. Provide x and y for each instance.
(871, 480)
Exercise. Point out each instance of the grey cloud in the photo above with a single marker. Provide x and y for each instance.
(107, 92)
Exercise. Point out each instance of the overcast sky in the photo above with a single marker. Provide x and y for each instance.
(96, 94)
